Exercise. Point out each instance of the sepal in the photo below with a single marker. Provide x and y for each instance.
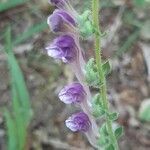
(91, 73)
(118, 131)
(97, 107)
(113, 116)
(107, 67)
(85, 25)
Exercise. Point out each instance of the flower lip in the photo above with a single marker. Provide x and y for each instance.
(59, 19)
(78, 122)
(63, 48)
(73, 93)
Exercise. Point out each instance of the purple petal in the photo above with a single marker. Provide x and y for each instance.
(54, 52)
(68, 18)
(73, 93)
(59, 19)
(78, 122)
(63, 48)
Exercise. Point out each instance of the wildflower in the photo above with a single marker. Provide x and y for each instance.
(63, 48)
(73, 93)
(60, 21)
(78, 122)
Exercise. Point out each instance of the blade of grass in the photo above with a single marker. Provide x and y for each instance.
(30, 32)
(21, 108)
(10, 4)
(128, 43)
(11, 131)
(19, 89)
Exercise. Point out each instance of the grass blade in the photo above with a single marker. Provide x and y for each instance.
(10, 4)
(11, 131)
(30, 32)
(132, 38)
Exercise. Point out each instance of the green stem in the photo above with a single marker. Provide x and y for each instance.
(103, 88)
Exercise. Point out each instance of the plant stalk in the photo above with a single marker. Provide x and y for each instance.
(102, 79)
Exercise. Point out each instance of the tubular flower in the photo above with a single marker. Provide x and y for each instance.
(63, 48)
(78, 122)
(60, 21)
(73, 93)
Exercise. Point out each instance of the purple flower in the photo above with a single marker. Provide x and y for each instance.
(73, 93)
(63, 48)
(57, 2)
(60, 20)
(78, 122)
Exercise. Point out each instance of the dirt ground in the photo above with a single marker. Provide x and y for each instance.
(128, 84)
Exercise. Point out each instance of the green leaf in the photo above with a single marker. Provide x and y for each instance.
(107, 67)
(144, 111)
(113, 116)
(85, 24)
(139, 2)
(104, 141)
(20, 93)
(91, 74)
(118, 132)
(11, 131)
(19, 119)
(97, 111)
(103, 130)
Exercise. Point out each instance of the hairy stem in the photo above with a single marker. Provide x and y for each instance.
(102, 79)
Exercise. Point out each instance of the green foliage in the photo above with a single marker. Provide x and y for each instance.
(139, 2)
(118, 131)
(104, 140)
(97, 106)
(10, 4)
(99, 111)
(18, 118)
(11, 131)
(91, 74)
(113, 116)
(85, 25)
(107, 67)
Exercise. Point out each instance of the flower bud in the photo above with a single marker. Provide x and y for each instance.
(63, 48)
(60, 20)
(78, 122)
(73, 93)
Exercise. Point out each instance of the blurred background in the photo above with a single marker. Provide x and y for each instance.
(127, 45)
